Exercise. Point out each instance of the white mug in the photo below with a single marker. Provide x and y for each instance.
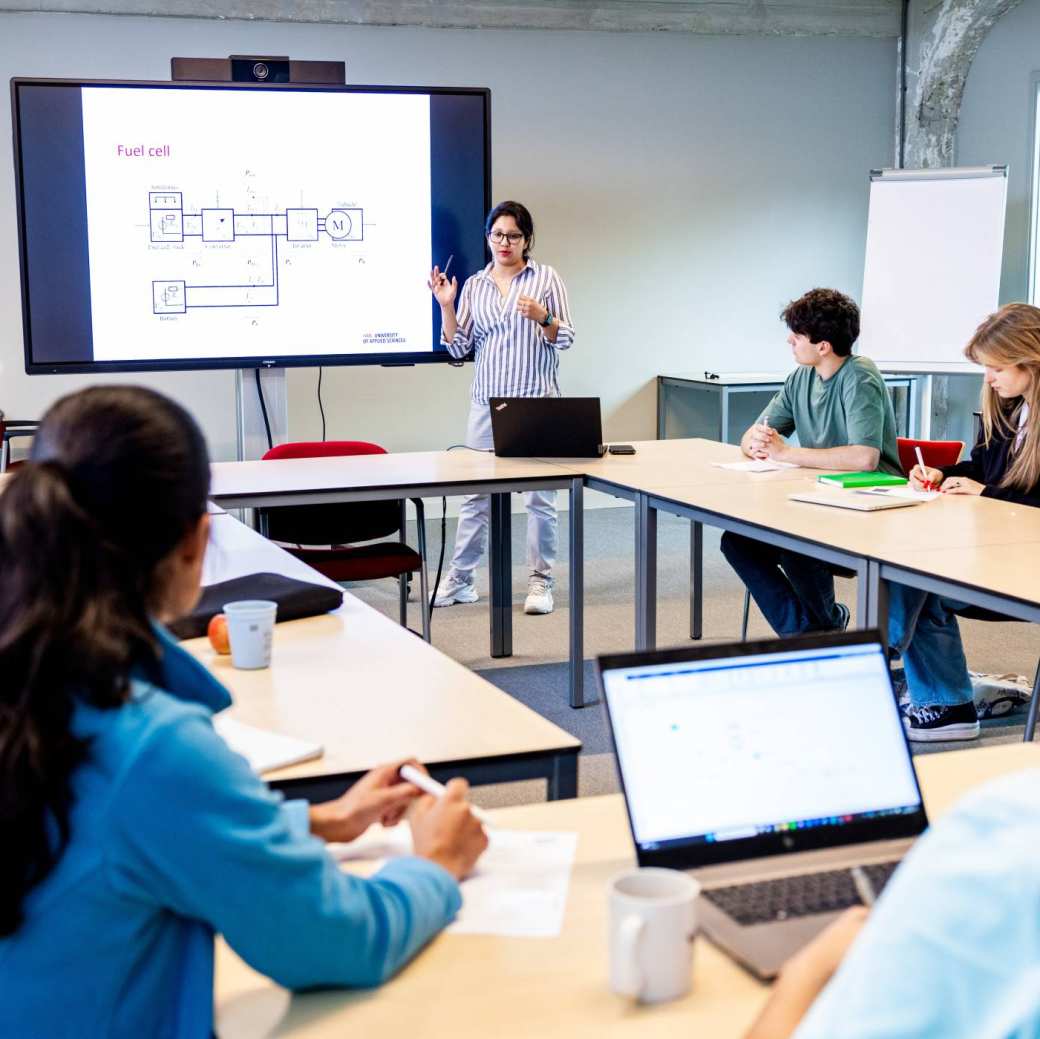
(250, 625)
(653, 921)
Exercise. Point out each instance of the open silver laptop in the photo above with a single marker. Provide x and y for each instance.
(768, 770)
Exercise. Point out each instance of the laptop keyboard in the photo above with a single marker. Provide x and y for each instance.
(804, 895)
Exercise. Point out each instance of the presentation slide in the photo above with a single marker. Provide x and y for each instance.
(201, 225)
(219, 224)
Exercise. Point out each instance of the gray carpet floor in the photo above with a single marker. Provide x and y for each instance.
(536, 674)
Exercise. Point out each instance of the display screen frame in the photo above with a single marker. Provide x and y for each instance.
(691, 853)
(79, 367)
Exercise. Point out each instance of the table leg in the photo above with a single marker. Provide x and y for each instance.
(577, 589)
(696, 579)
(877, 597)
(646, 574)
(563, 783)
(864, 594)
(500, 555)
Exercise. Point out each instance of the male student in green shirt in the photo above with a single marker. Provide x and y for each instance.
(839, 407)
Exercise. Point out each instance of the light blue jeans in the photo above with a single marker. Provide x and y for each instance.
(923, 629)
(475, 514)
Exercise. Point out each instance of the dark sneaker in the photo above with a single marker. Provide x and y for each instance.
(936, 723)
(843, 612)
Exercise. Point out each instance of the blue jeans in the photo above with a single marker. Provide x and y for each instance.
(923, 629)
(794, 593)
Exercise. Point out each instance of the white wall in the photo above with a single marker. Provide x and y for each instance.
(997, 124)
(685, 186)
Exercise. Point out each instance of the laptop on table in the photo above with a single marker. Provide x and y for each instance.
(546, 427)
(777, 773)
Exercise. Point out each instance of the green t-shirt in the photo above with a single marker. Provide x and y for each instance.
(852, 407)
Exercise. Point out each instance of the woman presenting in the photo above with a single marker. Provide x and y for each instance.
(515, 318)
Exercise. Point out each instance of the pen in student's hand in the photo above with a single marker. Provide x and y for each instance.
(429, 785)
(447, 265)
(864, 888)
(920, 462)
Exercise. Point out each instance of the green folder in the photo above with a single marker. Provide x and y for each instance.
(852, 481)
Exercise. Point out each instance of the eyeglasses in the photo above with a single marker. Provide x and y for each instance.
(512, 237)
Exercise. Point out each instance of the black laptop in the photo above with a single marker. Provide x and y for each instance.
(546, 427)
(777, 773)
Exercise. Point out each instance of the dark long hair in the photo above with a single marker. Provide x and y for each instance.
(117, 477)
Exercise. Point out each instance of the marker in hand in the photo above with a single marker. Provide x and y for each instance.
(920, 464)
(429, 785)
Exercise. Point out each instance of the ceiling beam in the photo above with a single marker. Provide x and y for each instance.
(872, 18)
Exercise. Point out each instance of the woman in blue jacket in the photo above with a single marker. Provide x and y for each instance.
(130, 832)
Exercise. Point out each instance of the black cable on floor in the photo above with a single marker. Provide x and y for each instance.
(263, 407)
(440, 561)
(321, 407)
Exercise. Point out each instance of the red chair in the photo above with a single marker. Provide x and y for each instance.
(936, 453)
(301, 528)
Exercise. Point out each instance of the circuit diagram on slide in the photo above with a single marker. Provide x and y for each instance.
(227, 228)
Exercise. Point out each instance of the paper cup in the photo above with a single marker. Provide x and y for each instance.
(250, 630)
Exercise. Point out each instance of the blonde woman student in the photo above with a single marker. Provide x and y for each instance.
(1004, 464)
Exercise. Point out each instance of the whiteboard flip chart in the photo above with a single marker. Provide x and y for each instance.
(935, 242)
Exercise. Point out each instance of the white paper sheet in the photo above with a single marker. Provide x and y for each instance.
(264, 750)
(755, 465)
(519, 888)
(902, 491)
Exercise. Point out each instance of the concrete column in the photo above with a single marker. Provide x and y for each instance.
(941, 45)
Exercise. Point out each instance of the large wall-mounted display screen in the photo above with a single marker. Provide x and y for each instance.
(175, 226)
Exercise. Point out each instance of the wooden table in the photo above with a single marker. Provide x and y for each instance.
(948, 531)
(423, 475)
(467, 986)
(370, 691)
(664, 463)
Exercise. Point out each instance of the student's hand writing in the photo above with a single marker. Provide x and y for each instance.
(381, 796)
(530, 308)
(962, 485)
(925, 479)
(445, 831)
(442, 289)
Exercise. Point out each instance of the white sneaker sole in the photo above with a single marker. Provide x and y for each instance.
(948, 733)
(463, 595)
(539, 608)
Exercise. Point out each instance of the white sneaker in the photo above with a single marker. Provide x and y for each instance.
(453, 590)
(539, 596)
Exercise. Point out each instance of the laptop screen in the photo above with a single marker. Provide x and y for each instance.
(761, 748)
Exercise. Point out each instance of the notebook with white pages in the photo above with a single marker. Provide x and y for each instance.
(841, 499)
(263, 749)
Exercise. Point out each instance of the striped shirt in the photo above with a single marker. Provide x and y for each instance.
(512, 357)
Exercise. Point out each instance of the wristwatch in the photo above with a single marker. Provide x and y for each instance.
(548, 320)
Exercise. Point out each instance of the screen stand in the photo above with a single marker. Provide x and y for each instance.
(252, 436)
